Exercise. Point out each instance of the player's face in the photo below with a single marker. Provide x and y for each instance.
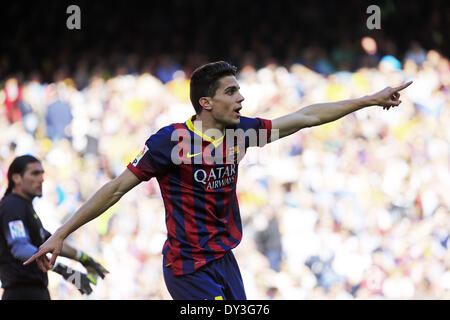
(226, 104)
(29, 184)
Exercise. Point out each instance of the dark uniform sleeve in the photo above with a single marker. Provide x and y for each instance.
(17, 236)
(46, 235)
(257, 131)
(154, 159)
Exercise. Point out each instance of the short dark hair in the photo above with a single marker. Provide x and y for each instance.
(19, 165)
(204, 81)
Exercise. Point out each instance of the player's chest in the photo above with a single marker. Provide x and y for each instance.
(36, 229)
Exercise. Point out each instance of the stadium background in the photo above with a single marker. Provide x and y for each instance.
(356, 209)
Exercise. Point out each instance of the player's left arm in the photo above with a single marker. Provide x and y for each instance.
(321, 113)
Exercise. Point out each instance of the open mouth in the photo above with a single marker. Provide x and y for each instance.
(236, 111)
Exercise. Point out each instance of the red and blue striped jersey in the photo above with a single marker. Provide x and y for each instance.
(197, 176)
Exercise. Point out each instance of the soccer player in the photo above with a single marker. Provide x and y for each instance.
(196, 166)
(21, 233)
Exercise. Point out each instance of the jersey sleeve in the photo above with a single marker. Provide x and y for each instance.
(154, 159)
(47, 234)
(257, 131)
(16, 234)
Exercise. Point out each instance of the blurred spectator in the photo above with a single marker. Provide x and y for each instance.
(179, 86)
(166, 69)
(416, 53)
(58, 115)
(12, 100)
(343, 56)
(268, 239)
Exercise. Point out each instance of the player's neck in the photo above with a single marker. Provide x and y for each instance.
(204, 122)
(22, 194)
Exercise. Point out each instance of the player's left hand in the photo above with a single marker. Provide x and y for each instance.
(93, 267)
(389, 97)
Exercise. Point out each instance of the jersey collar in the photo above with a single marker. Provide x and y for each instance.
(191, 127)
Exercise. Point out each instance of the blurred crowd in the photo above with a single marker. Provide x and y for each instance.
(354, 209)
(127, 37)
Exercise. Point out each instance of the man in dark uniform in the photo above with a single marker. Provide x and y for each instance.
(21, 233)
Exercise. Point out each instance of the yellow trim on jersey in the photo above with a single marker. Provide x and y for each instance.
(191, 127)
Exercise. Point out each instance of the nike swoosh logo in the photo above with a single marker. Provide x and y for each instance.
(192, 155)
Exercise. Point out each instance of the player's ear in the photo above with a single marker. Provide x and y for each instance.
(205, 102)
(16, 178)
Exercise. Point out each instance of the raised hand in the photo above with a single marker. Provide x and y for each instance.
(389, 97)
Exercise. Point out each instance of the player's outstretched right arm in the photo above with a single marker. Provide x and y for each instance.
(321, 113)
(104, 198)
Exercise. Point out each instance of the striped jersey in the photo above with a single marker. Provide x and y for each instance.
(197, 174)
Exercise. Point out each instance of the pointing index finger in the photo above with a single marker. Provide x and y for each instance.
(403, 86)
(33, 257)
